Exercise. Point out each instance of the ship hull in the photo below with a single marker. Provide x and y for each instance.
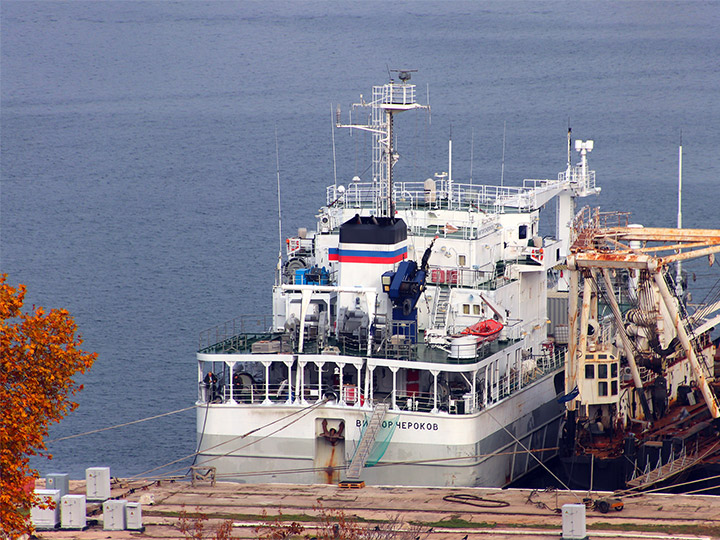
(486, 448)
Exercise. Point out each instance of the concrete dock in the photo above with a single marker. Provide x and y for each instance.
(414, 513)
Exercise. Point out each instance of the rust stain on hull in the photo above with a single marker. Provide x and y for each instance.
(330, 467)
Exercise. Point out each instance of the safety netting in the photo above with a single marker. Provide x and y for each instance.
(382, 439)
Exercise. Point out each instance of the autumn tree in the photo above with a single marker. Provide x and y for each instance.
(39, 356)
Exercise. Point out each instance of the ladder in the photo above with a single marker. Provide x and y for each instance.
(661, 473)
(366, 441)
(441, 307)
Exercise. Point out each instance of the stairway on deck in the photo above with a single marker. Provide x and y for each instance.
(441, 307)
(366, 442)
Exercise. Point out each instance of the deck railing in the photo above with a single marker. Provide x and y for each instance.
(456, 400)
(446, 196)
(234, 335)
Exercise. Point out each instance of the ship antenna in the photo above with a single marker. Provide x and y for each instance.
(450, 159)
(569, 149)
(428, 105)
(678, 281)
(277, 164)
(332, 130)
(472, 146)
(502, 167)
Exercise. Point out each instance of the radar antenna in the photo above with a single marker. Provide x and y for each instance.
(403, 74)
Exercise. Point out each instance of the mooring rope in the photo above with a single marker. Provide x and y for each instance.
(120, 425)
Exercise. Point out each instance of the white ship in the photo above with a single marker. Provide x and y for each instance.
(409, 341)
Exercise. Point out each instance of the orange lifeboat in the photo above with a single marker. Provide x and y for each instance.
(486, 330)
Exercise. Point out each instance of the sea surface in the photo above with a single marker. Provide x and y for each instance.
(138, 147)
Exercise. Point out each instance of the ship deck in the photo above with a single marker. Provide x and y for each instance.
(683, 423)
(243, 342)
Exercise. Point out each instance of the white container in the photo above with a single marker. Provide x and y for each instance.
(133, 516)
(114, 515)
(573, 522)
(60, 481)
(46, 518)
(97, 481)
(73, 512)
(463, 347)
(468, 399)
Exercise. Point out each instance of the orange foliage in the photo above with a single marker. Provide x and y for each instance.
(276, 528)
(334, 524)
(39, 355)
(193, 527)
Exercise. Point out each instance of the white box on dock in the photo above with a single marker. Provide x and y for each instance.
(114, 515)
(60, 481)
(97, 481)
(573, 522)
(46, 518)
(133, 516)
(73, 512)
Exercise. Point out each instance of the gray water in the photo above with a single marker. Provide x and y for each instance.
(138, 154)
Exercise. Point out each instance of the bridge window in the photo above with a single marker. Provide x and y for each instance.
(613, 388)
(602, 388)
(613, 370)
(602, 371)
(589, 371)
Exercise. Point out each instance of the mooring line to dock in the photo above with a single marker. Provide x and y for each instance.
(456, 458)
(306, 411)
(120, 425)
(689, 482)
(531, 453)
(638, 490)
(202, 436)
(377, 465)
(316, 469)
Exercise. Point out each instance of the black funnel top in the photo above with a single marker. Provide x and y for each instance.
(373, 230)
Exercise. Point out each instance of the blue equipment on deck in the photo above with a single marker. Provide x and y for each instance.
(314, 275)
(404, 288)
(405, 285)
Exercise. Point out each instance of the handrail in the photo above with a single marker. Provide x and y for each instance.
(517, 378)
(244, 324)
(446, 195)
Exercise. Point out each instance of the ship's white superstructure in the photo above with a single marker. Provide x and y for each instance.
(409, 337)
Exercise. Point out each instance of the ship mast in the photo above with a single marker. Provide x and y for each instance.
(387, 100)
(678, 275)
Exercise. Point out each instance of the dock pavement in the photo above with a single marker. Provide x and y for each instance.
(265, 511)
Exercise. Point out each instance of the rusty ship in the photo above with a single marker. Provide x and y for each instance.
(642, 365)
